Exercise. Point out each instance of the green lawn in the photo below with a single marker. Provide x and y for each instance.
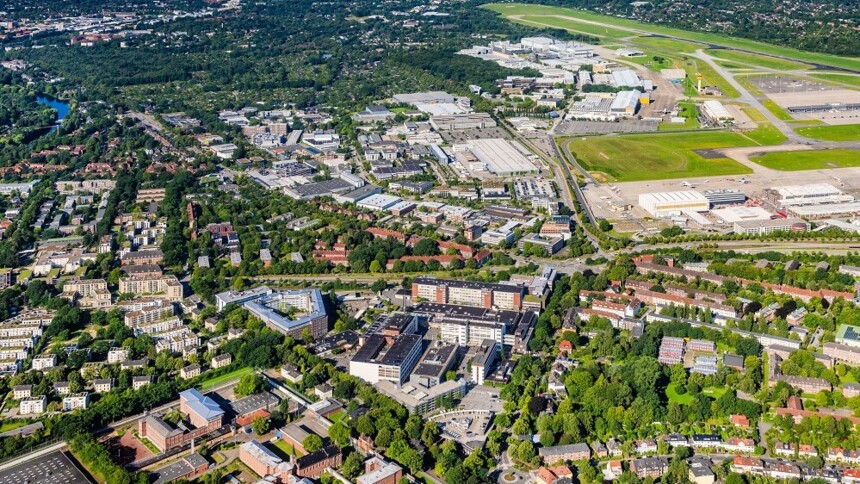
(809, 160)
(666, 44)
(777, 110)
(282, 447)
(756, 60)
(674, 397)
(218, 380)
(850, 79)
(11, 425)
(657, 156)
(715, 392)
(688, 111)
(575, 27)
(839, 132)
(766, 134)
(712, 392)
(574, 21)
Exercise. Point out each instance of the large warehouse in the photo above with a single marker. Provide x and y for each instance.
(668, 204)
(501, 157)
(807, 194)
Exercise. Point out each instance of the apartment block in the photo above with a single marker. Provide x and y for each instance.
(476, 294)
(167, 286)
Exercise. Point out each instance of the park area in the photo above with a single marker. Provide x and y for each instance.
(809, 160)
(657, 156)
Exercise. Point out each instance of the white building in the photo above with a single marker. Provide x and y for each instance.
(379, 361)
(44, 362)
(483, 360)
(716, 112)
(117, 355)
(78, 400)
(33, 405)
(670, 204)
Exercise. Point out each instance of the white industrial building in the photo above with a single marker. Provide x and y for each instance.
(625, 103)
(808, 194)
(500, 157)
(670, 204)
(625, 78)
(379, 202)
(716, 112)
(731, 215)
(828, 210)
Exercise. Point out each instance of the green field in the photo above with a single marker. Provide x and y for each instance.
(218, 380)
(575, 19)
(809, 160)
(674, 397)
(849, 79)
(666, 44)
(841, 132)
(688, 111)
(765, 134)
(657, 156)
(575, 27)
(756, 60)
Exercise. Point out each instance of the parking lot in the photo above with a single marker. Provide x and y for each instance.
(576, 128)
(482, 398)
(53, 468)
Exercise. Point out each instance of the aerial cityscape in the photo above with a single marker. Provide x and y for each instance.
(438, 242)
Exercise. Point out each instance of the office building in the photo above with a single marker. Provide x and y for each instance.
(386, 358)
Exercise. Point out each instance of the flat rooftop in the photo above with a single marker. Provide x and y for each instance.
(55, 467)
(435, 361)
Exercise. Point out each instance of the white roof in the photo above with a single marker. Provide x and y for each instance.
(379, 202)
(679, 196)
(736, 214)
(811, 190)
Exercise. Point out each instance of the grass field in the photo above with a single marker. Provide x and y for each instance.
(218, 380)
(841, 132)
(657, 156)
(285, 448)
(577, 16)
(843, 78)
(776, 110)
(685, 399)
(674, 397)
(688, 111)
(576, 27)
(747, 59)
(666, 44)
(809, 160)
(765, 134)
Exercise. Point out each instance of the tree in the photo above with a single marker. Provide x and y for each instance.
(339, 434)
(351, 466)
(312, 443)
(260, 425)
(379, 285)
(249, 385)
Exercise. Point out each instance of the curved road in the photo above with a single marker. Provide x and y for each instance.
(753, 101)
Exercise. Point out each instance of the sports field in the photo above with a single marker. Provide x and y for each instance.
(536, 14)
(839, 132)
(809, 160)
(657, 156)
